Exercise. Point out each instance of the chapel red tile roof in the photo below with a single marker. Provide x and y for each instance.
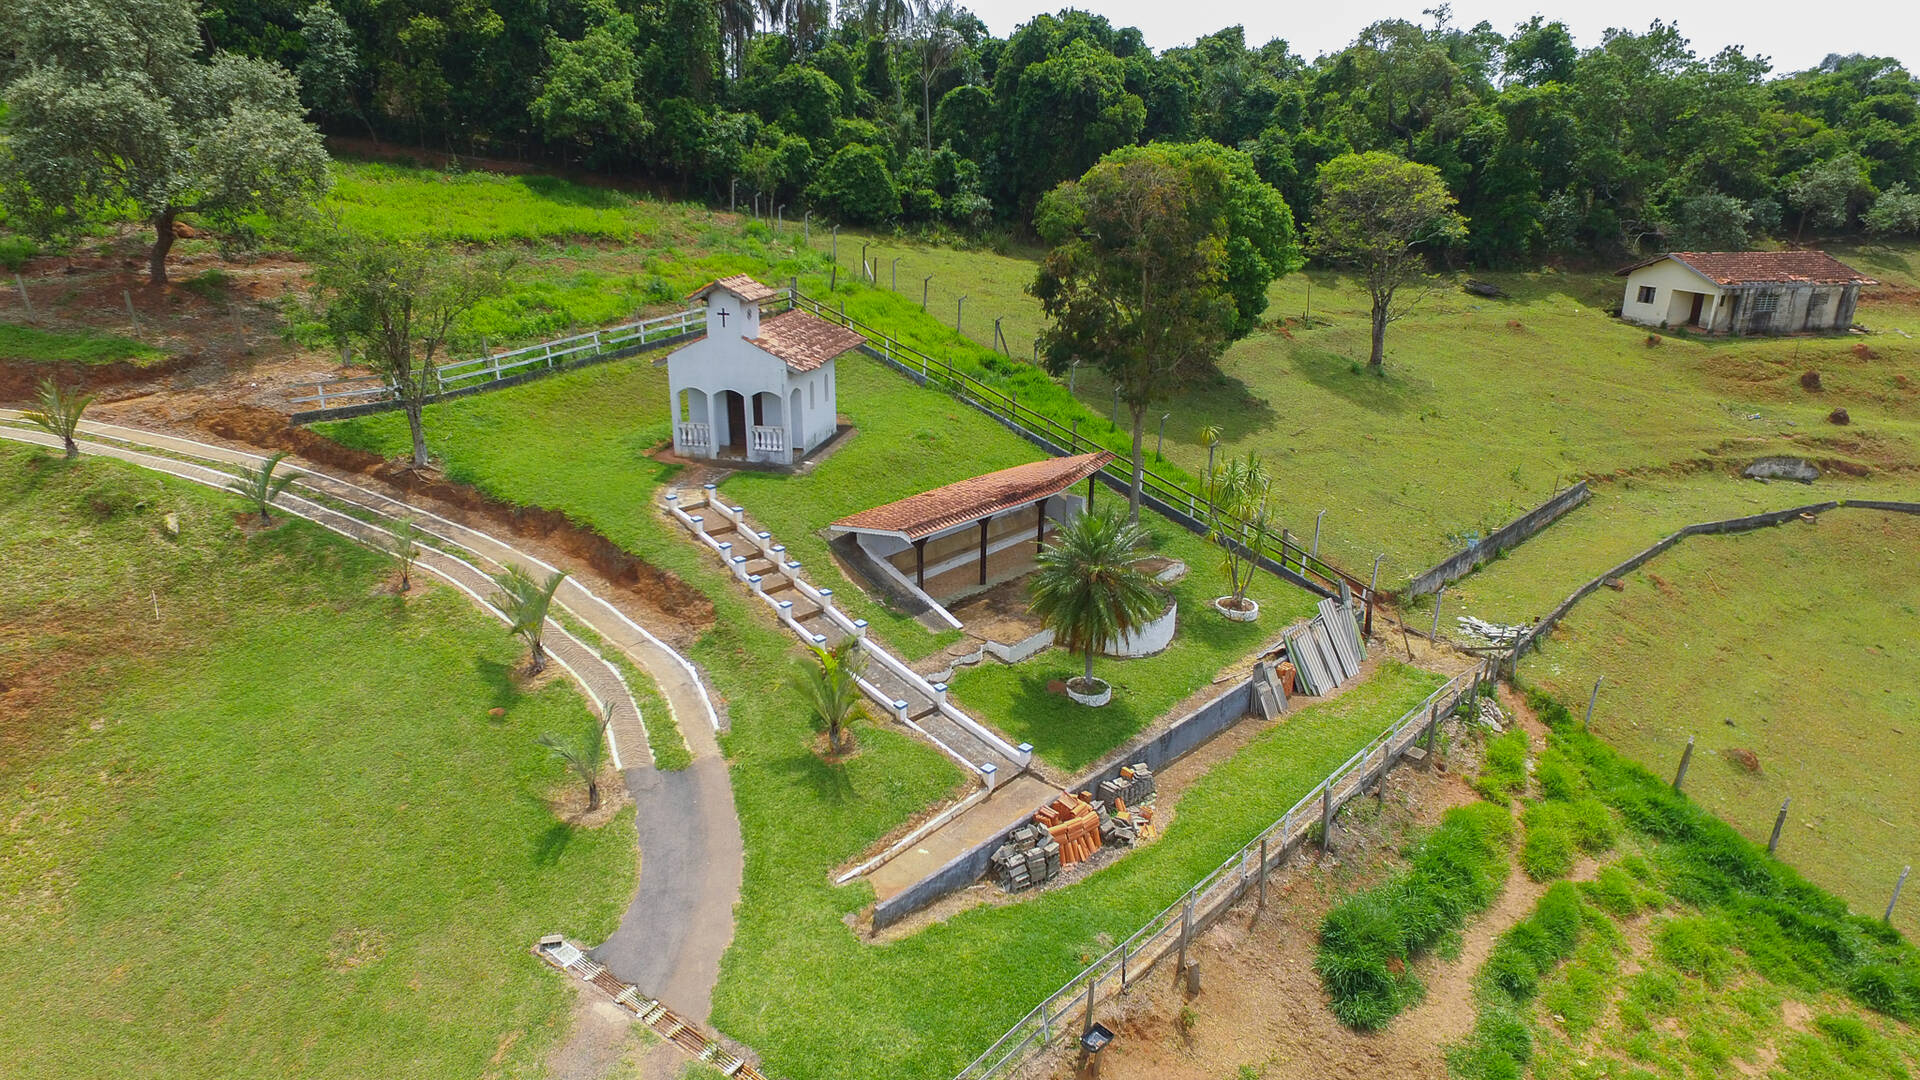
(922, 515)
(1765, 267)
(804, 341)
(741, 284)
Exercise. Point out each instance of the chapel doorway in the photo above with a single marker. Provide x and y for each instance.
(736, 422)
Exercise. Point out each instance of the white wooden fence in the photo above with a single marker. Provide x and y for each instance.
(464, 374)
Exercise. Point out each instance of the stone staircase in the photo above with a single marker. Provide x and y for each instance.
(760, 563)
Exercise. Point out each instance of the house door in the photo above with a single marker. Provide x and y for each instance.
(1699, 301)
(736, 421)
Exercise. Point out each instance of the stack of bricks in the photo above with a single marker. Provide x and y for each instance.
(1030, 857)
(1134, 786)
(1072, 822)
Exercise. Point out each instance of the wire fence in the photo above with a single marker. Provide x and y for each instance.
(1071, 1008)
(1172, 495)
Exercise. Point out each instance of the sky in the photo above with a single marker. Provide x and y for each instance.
(1792, 33)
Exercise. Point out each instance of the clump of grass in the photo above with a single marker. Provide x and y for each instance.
(1503, 772)
(1558, 832)
(1367, 941)
(1502, 1042)
(15, 251)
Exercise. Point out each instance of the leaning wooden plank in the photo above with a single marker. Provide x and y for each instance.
(1329, 622)
(1322, 640)
(1302, 672)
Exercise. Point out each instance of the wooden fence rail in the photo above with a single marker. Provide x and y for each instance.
(1070, 1008)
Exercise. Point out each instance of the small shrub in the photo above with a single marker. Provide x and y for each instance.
(1548, 852)
(211, 285)
(15, 251)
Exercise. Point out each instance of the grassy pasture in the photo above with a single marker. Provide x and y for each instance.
(31, 345)
(1794, 643)
(1487, 405)
(259, 819)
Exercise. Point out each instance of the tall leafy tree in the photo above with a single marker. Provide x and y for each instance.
(113, 108)
(1381, 216)
(588, 94)
(401, 304)
(1136, 281)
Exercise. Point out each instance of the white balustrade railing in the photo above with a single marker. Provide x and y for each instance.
(693, 435)
(771, 440)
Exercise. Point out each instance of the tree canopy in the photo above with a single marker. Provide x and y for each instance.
(113, 106)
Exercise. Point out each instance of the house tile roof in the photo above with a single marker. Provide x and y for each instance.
(803, 340)
(741, 284)
(1764, 267)
(922, 515)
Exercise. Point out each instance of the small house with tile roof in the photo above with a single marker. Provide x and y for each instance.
(755, 387)
(1743, 292)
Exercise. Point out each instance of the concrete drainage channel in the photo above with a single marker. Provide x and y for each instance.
(570, 958)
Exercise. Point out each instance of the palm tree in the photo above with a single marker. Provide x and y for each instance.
(831, 687)
(59, 413)
(584, 754)
(1238, 517)
(524, 601)
(259, 486)
(1089, 589)
(1210, 434)
(404, 547)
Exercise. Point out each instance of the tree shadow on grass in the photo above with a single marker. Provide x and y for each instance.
(1390, 394)
(502, 682)
(1225, 402)
(826, 780)
(1067, 734)
(551, 844)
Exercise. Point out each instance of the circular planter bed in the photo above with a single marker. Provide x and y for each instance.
(1093, 692)
(1247, 613)
(1148, 639)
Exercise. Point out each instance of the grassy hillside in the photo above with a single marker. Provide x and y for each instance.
(1792, 643)
(260, 820)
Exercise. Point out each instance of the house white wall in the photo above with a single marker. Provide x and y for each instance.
(701, 373)
(1674, 287)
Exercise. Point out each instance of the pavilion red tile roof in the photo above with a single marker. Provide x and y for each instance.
(919, 516)
(741, 284)
(803, 340)
(1764, 267)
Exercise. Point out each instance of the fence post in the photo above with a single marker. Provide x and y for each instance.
(1316, 532)
(1888, 917)
(1593, 697)
(1778, 822)
(24, 300)
(1123, 966)
(1186, 930)
(1261, 906)
(1086, 1025)
(132, 319)
(1685, 757)
(959, 306)
(1437, 597)
(1326, 815)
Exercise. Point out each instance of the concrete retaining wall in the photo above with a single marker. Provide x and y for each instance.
(1182, 738)
(1149, 639)
(347, 412)
(1510, 535)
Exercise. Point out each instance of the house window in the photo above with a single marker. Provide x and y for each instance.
(1766, 303)
(1646, 294)
(812, 384)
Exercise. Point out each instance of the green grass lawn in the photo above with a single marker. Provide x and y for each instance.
(1624, 516)
(1071, 736)
(1795, 643)
(260, 821)
(801, 989)
(30, 345)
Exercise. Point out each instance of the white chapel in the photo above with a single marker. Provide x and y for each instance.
(753, 388)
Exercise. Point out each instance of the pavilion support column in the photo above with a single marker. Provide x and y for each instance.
(1040, 525)
(1090, 493)
(920, 562)
(983, 548)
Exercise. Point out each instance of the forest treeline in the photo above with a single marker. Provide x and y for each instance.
(911, 113)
